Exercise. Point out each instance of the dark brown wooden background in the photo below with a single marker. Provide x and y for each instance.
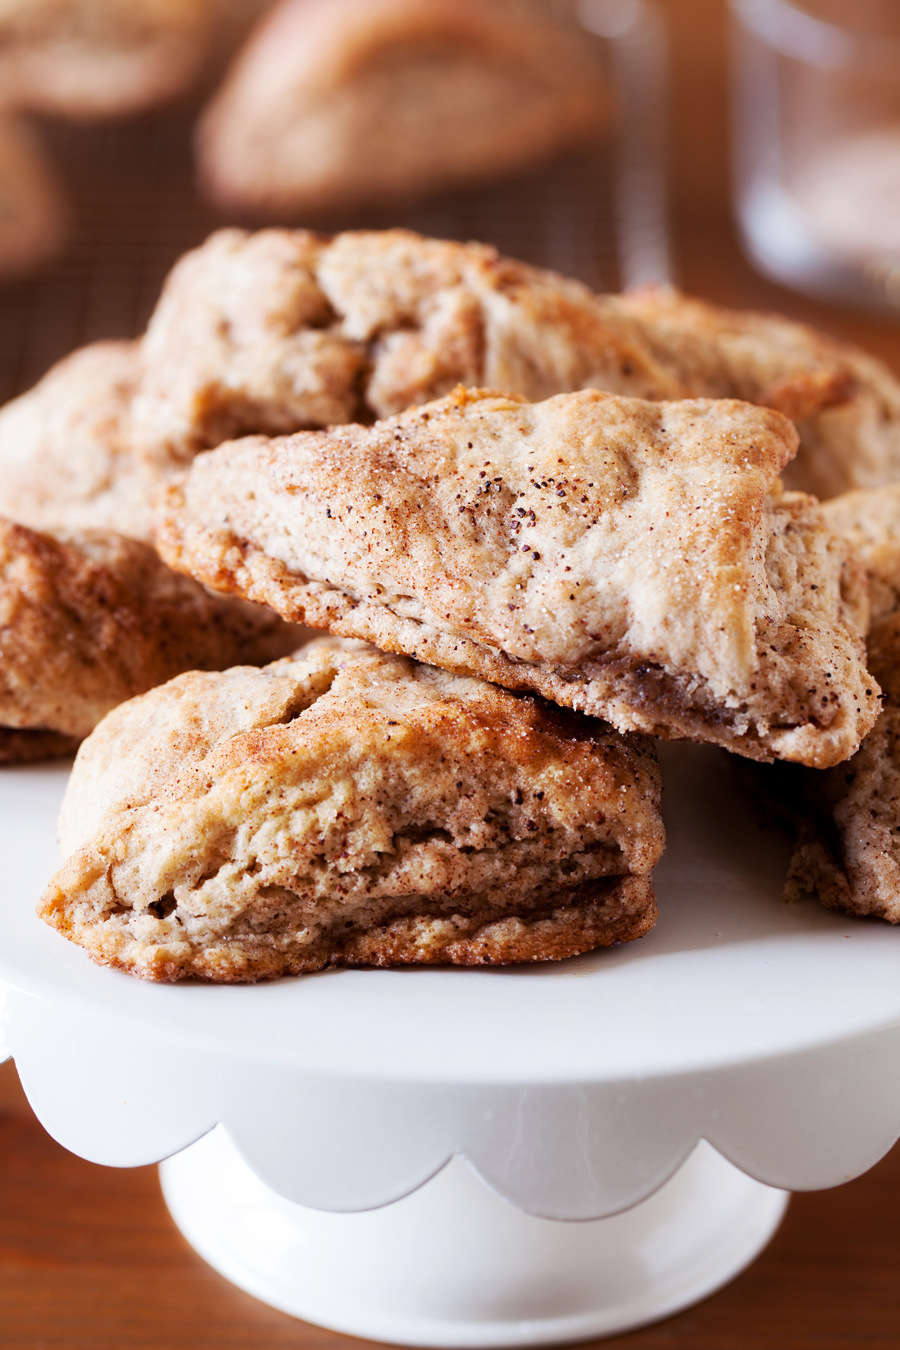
(89, 1259)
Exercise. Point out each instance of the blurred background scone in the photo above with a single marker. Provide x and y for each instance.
(94, 58)
(337, 104)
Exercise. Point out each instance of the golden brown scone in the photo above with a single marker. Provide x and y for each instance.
(244, 338)
(352, 808)
(847, 820)
(88, 619)
(870, 520)
(283, 329)
(633, 560)
(337, 104)
(66, 456)
(141, 744)
(34, 218)
(96, 58)
(846, 403)
(848, 851)
(278, 330)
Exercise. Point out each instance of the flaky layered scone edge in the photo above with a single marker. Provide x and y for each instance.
(847, 819)
(386, 814)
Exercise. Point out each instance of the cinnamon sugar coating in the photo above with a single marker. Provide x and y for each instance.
(66, 459)
(632, 560)
(280, 330)
(848, 819)
(346, 807)
(870, 520)
(846, 403)
(283, 329)
(89, 619)
(848, 850)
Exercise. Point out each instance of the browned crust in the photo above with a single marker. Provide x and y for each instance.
(870, 521)
(367, 810)
(846, 403)
(725, 353)
(845, 824)
(798, 692)
(22, 746)
(282, 329)
(89, 619)
(816, 869)
(846, 820)
(883, 649)
(601, 913)
(634, 695)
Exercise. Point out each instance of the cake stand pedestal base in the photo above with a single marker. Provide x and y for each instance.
(452, 1264)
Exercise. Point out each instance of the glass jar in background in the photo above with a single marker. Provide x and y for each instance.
(817, 145)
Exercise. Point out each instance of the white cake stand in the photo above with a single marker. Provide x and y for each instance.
(576, 1091)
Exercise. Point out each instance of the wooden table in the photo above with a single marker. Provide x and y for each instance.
(88, 1255)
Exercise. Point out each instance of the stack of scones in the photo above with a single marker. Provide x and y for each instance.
(535, 528)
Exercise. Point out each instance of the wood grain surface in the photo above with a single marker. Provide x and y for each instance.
(88, 1255)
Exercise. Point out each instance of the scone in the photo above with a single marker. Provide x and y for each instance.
(352, 808)
(848, 827)
(632, 560)
(278, 330)
(66, 458)
(870, 520)
(337, 104)
(89, 619)
(848, 819)
(846, 403)
(34, 218)
(96, 58)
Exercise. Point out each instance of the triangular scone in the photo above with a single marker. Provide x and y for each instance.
(99, 58)
(633, 560)
(352, 808)
(279, 330)
(89, 619)
(845, 402)
(335, 104)
(283, 329)
(848, 819)
(34, 216)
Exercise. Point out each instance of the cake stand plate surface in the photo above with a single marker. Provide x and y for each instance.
(575, 1090)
